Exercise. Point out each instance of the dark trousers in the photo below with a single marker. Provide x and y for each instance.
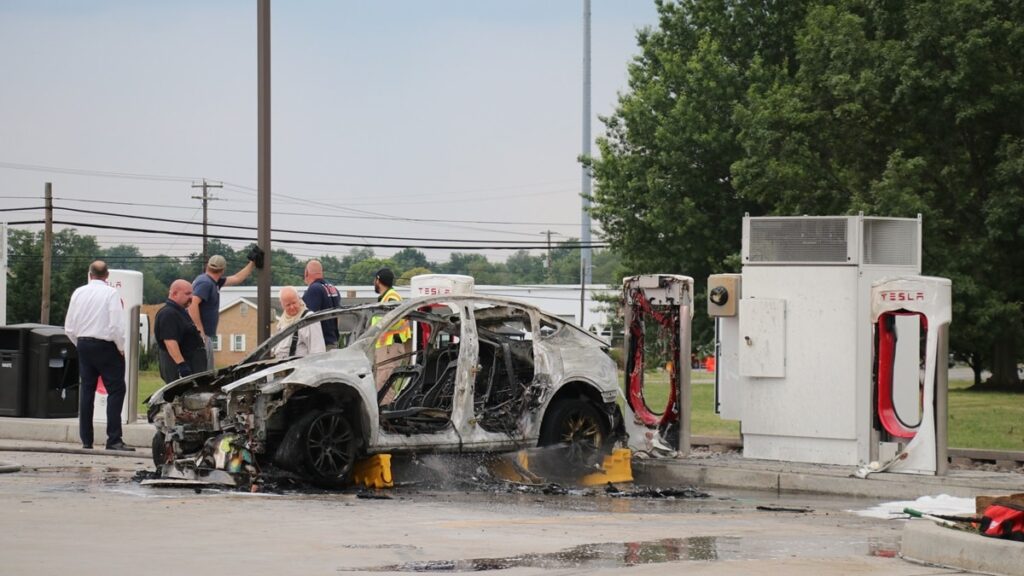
(100, 358)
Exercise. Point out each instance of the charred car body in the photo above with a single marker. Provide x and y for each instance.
(472, 374)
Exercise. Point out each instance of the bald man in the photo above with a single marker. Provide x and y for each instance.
(320, 295)
(182, 349)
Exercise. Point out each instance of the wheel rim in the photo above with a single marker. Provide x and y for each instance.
(330, 444)
(581, 433)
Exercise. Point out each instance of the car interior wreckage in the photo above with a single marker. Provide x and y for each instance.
(467, 374)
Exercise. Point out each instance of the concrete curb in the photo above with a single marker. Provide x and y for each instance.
(928, 543)
(820, 479)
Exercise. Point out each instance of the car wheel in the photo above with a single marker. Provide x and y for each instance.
(330, 448)
(578, 426)
(159, 447)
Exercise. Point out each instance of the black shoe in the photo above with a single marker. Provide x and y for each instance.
(121, 447)
(87, 446)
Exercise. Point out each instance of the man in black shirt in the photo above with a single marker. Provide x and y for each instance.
(182, 350)
(320, 295)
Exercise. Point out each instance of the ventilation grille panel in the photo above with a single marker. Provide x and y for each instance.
(889, 242)
(804, 240)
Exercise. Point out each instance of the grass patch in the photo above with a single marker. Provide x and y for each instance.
(988, 420)
(149, 382)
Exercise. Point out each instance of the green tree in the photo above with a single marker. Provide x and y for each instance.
(899, 109)
(71, 257)
(829, 107)
(410, 258)
(664, 191)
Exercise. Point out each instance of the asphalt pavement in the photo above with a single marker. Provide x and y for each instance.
(712, 471)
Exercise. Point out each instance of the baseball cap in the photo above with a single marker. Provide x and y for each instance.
(217, 263)
(386, 276)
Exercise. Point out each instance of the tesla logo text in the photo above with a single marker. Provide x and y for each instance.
(434, 291)
(900, 296)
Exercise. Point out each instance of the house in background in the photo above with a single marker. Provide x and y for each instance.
(236, 331)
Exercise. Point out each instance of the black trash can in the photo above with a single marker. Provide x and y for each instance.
(14, 368)
(52, 374)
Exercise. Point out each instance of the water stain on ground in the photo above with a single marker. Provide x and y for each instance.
(625, 554)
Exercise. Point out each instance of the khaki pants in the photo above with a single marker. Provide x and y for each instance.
(386, 360)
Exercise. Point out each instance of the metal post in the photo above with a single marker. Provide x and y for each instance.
(683, 371)
(941, 402)
(132, 395)
(3, 274)
(585, 255)
(583, 293)
(263, 224)
(44, 308)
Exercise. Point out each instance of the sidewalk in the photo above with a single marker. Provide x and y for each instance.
(65, 430)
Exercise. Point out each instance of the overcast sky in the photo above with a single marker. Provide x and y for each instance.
(466, 112)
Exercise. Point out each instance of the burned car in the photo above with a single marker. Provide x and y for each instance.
(441, 374)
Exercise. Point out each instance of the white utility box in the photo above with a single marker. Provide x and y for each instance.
(794, 356)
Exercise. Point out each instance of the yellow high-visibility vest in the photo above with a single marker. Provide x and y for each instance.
(400, 330)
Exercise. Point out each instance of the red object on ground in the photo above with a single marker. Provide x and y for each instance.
(709, 363)
(100, 388)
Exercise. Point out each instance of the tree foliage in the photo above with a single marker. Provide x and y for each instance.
(787, 107)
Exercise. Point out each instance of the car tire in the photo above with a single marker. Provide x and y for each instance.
(578, 426)
(159, 449)
(330, 448)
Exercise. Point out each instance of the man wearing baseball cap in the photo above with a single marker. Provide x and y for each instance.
(205, 307)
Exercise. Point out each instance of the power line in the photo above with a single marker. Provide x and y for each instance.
(565, 245)
(100, 173)
(540, 244)
(319, 215)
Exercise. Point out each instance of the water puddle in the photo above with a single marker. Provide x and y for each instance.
(588, 556)
(625, 554)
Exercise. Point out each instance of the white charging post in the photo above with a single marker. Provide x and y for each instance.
(128, 284)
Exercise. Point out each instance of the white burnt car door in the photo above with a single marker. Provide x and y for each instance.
(423, 361)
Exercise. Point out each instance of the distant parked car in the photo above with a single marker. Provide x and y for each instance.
(480, 374)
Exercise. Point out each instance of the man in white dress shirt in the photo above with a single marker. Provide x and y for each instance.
(94, 325)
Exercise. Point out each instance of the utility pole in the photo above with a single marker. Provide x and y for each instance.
(548, 233)
(263, 147)
(585, 254)
(206, 200)
(44, 308)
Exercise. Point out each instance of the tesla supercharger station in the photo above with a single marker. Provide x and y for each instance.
(658, 315)
(128, 284)
(910, 318)
(795, 338)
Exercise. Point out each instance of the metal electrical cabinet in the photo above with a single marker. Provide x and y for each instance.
(794, 358)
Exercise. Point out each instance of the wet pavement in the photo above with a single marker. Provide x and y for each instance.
(85, 514)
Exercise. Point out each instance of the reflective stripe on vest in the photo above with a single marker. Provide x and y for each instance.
(400, 330)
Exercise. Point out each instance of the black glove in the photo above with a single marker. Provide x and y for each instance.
(184, 370)
(255, 256)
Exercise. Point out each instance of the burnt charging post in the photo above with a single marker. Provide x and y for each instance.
(658, 315)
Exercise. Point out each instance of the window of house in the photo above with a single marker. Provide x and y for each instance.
(215, 342)
(238, 342)
(243, 309)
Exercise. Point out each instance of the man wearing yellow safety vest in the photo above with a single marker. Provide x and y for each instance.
(397, 339)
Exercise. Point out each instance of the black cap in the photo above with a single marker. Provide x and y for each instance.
(386, 277)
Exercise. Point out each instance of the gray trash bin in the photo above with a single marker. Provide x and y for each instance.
(14, 369)
(52, 374)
